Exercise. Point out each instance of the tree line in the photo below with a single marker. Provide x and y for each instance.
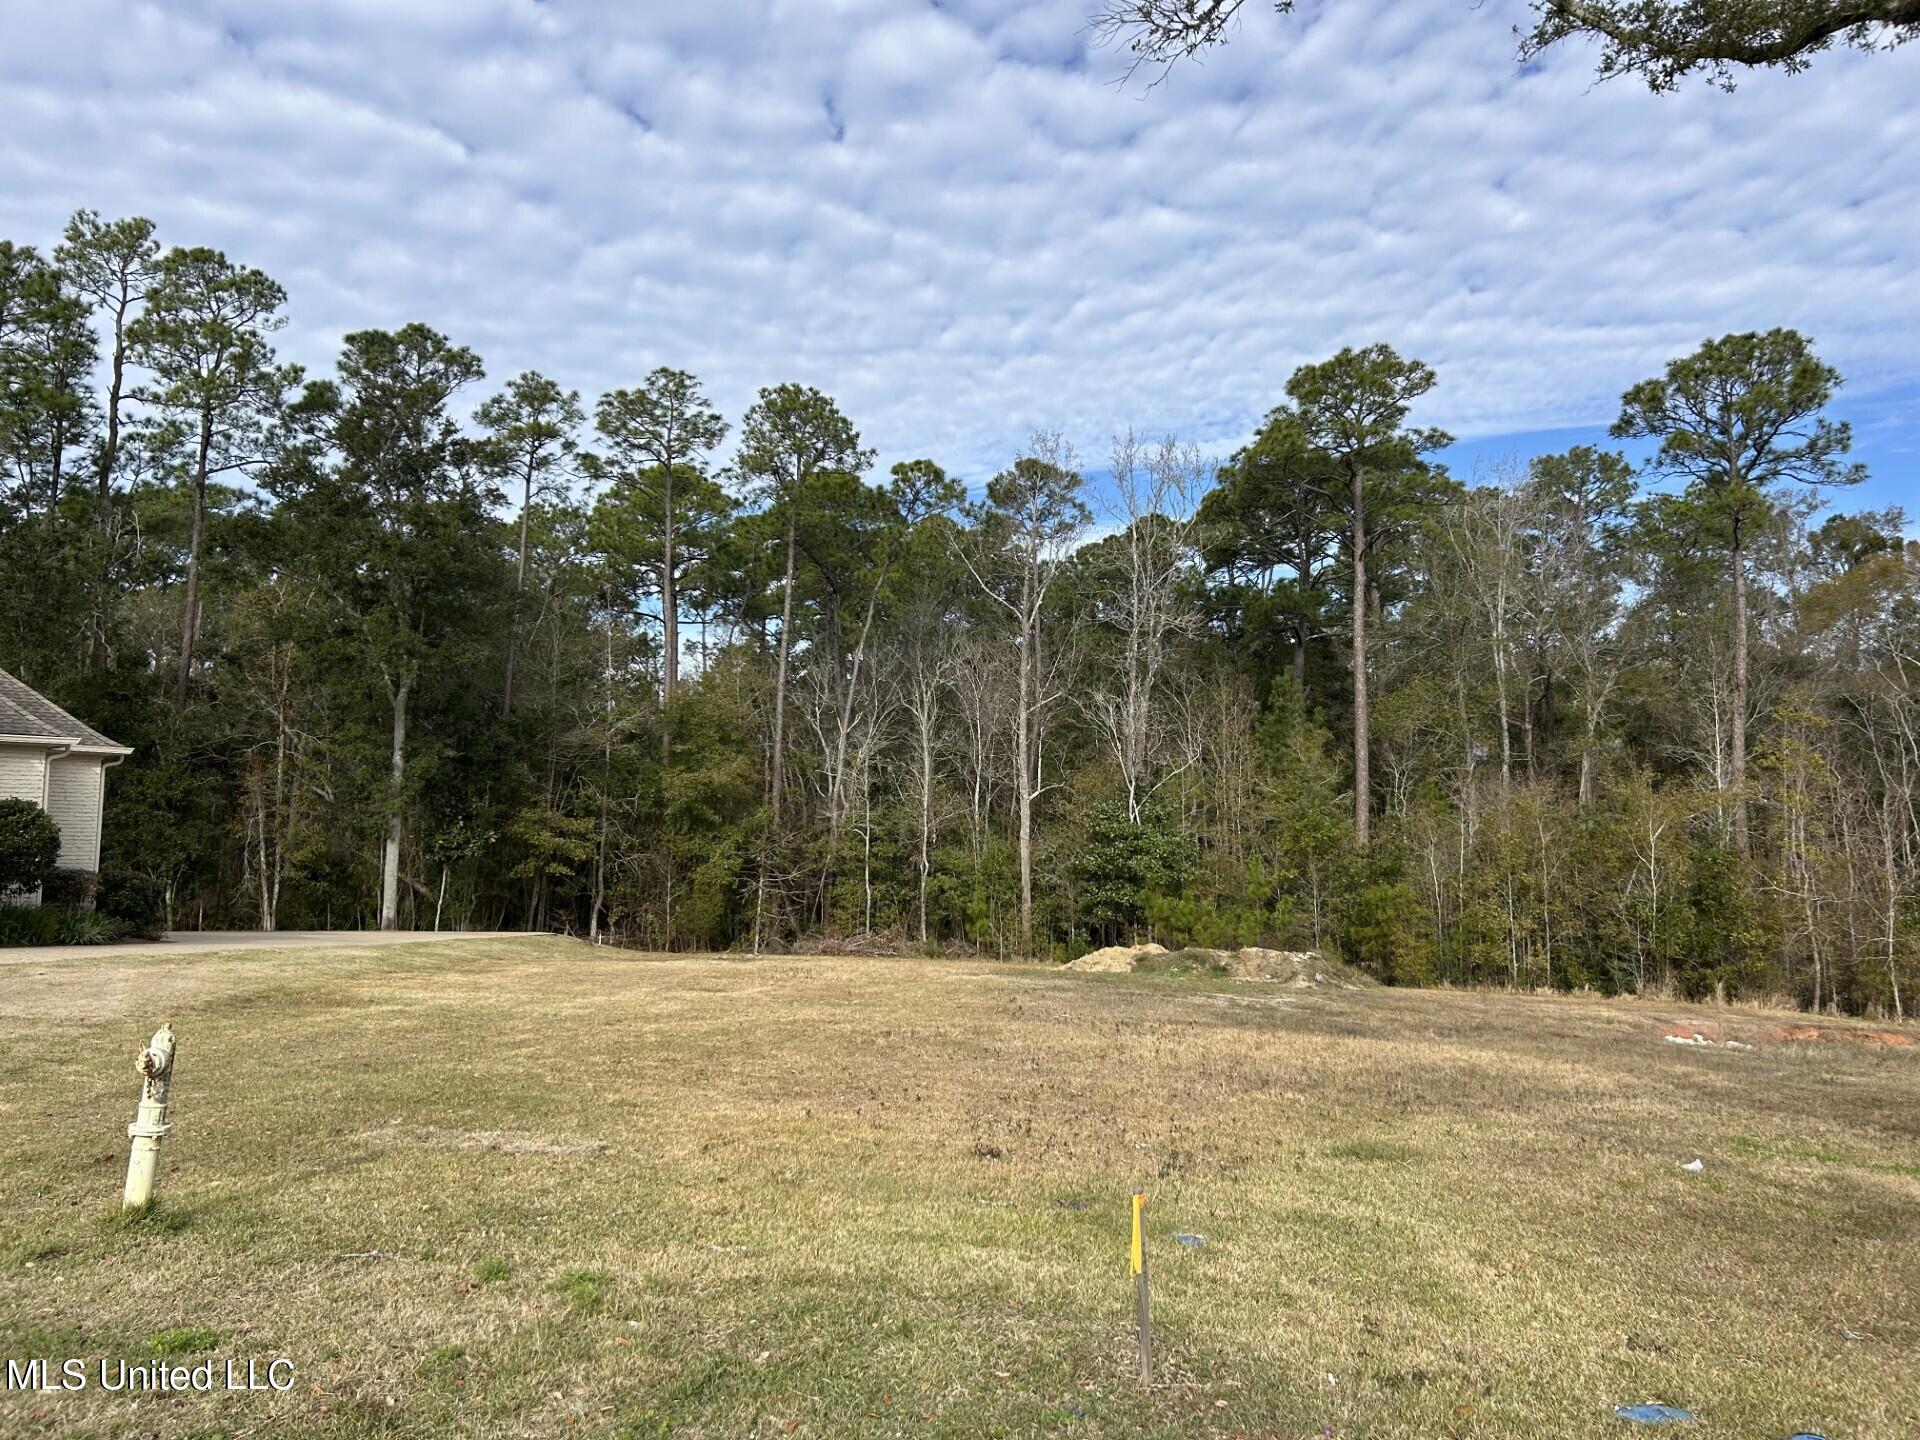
(399, 649)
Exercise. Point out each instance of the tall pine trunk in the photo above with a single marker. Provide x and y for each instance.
(1362, 784)
(190, 623)
(669, 607)
(776, 778)
(1739, 688)
(519, 588)
(776, 781)
(606, 783)
(110, 445)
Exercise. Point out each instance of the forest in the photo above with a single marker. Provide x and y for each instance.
(410, 645)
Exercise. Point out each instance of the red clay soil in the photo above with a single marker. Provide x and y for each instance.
(1794, 1034)
(1715, 1033)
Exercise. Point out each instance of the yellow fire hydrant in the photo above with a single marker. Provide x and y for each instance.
(150, 1121)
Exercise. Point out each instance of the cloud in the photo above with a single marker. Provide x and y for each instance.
(950, 217)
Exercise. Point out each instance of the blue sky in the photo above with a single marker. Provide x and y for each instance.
(949, 216)
(1886, 438)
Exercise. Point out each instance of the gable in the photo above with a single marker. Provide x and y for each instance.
(28, 716)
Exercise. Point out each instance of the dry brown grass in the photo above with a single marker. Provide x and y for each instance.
(524, 1188)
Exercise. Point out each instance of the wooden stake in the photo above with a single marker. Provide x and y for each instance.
(1138, 1264)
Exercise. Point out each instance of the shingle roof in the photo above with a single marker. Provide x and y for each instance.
(26, 712)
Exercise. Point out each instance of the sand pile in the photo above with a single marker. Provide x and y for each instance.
(1297, 969)
(1114, 959)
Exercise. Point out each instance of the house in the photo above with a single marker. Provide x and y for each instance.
(50, 758)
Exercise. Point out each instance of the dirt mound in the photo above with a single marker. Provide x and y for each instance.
(873, 942)
(1115, 959)
(1301, 969)
(1746, 1037)
(1297, 969)
(1853, 1034)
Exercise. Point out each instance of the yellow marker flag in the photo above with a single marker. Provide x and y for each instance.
(1136, 1259)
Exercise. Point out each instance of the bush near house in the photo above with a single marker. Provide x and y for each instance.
(138, 902)
(69, 887)
(57, 925)
(29, 845)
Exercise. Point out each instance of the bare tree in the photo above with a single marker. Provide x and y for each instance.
(1156, 489)
(982, 686)
(1032, 517)
(929, 663)
(919, 488)
(1581, 500)
(1484, 535)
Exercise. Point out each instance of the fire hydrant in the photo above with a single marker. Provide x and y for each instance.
(150, 1121)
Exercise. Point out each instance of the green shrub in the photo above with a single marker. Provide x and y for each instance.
(28, 925)
(1123, 866)
(56, 925)
(68, 887)
(29, 845)
(1379, 927)
(89, 927)
(136, 901)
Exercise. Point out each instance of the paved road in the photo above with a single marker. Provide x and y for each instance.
(184, 942)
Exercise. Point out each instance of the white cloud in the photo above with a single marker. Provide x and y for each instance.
(950, 217)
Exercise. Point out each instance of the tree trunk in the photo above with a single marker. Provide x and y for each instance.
(110, 446)
(1362, 797)
(1526, 719)
(837, 803)
(669, 605)
(190, 623)
(1500, 695)
(926, 818)
(776, 780)
(103, 483)
(866, 839)
(1889, 824)
(54, 475)
(519, 588)
(1023, 757)
(777, 763)
(273, 855)
(390, 861)
(1739, 689)
(262, 821)
(606, 785)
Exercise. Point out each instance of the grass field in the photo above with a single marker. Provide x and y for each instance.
(511, 1188)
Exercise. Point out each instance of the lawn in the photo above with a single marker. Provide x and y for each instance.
(503, 1188)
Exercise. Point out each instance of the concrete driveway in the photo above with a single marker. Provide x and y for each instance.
(187, 942)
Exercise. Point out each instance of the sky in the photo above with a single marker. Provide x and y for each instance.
(951, 216)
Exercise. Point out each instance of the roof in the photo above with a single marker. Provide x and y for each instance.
(27, 715)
